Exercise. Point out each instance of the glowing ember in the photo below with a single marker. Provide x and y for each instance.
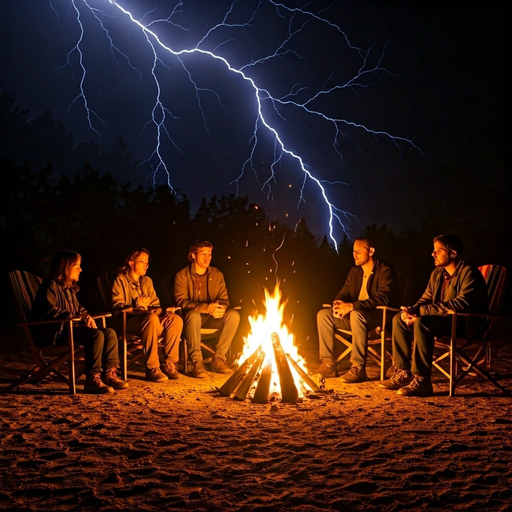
(264, 330)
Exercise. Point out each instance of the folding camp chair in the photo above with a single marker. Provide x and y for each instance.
(130, 345)
(467, 356)
(379, 337)
(50, 359)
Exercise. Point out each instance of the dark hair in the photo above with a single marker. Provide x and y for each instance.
(61, 263)
(452, 242)
(134, 253)
(369, 244)
(199, 244)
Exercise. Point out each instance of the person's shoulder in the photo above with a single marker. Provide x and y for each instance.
(383, 264)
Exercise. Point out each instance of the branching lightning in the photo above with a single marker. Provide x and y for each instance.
(306, 99)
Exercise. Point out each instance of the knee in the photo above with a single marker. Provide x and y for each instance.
(110, 334)
(397, 321)
(323, 315)
(191, 317)
(232, 316)
(150, 321)
(357, 317)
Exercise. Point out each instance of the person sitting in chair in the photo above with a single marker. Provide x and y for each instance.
(56, 299)
(134, 290)
(453, 285)
(200, 291)
(368, 285)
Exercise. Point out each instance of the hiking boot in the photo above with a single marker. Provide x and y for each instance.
(400, 379)
(155, 375)
(95, 386)
(111, 379)
(220, 366)
(355, 375)
(420, 386)
(198, 370)
(326, 370)
(171, 370)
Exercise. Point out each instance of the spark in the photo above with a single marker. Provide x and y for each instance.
(270, 107)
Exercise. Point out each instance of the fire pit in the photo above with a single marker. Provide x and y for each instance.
(271, 367)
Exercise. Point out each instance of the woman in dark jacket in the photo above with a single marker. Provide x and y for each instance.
(56, 299)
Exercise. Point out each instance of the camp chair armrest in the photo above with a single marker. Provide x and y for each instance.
(388, 308)
(475, 315)
(101, 315)
(49, 322)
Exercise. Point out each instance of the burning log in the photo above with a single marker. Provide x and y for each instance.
(245, 386)
(234, 381)
(289, 393)
(261, 393)
(303, 375)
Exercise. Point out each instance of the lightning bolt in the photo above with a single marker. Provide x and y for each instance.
(314, 102)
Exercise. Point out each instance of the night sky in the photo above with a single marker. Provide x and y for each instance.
(429, 75)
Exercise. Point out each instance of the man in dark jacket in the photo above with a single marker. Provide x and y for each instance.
(454, 285)
(368, 285)
(200, 291)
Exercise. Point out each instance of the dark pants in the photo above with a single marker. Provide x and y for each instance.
(358, 323)
(100, 346)
(418, 338)
(194, 321)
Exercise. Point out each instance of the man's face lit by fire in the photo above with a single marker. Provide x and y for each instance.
(139, 265)
(202, 258)
(362, 253)
(442, 255)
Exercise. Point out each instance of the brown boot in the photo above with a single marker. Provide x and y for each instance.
(111, 379)
(155, 375)
(171, 370)
(95, 386)
(198, 370)
(220, 366)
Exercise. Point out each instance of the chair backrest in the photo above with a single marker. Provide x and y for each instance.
(24, 287)
(105, 282)
(495, 277)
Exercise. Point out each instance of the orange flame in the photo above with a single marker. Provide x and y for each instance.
(262, 327)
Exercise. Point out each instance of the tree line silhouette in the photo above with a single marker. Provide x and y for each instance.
(56, 194)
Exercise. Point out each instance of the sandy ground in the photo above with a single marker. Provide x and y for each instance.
(182, 446)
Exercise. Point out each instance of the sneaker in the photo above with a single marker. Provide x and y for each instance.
(155, 375)
(326, 370)
(198, 370)
(420, 386)
(355, 375)
(111, 379)
(220, 366)
(400, 379)
(95, 386)
(171, 370)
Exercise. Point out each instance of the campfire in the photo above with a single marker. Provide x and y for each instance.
(271, 367)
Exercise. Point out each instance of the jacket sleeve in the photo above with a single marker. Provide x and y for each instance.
(120, 297)
(221, 291)
(384, 281)
(149, 290)
(469, 294)
(49, 304)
